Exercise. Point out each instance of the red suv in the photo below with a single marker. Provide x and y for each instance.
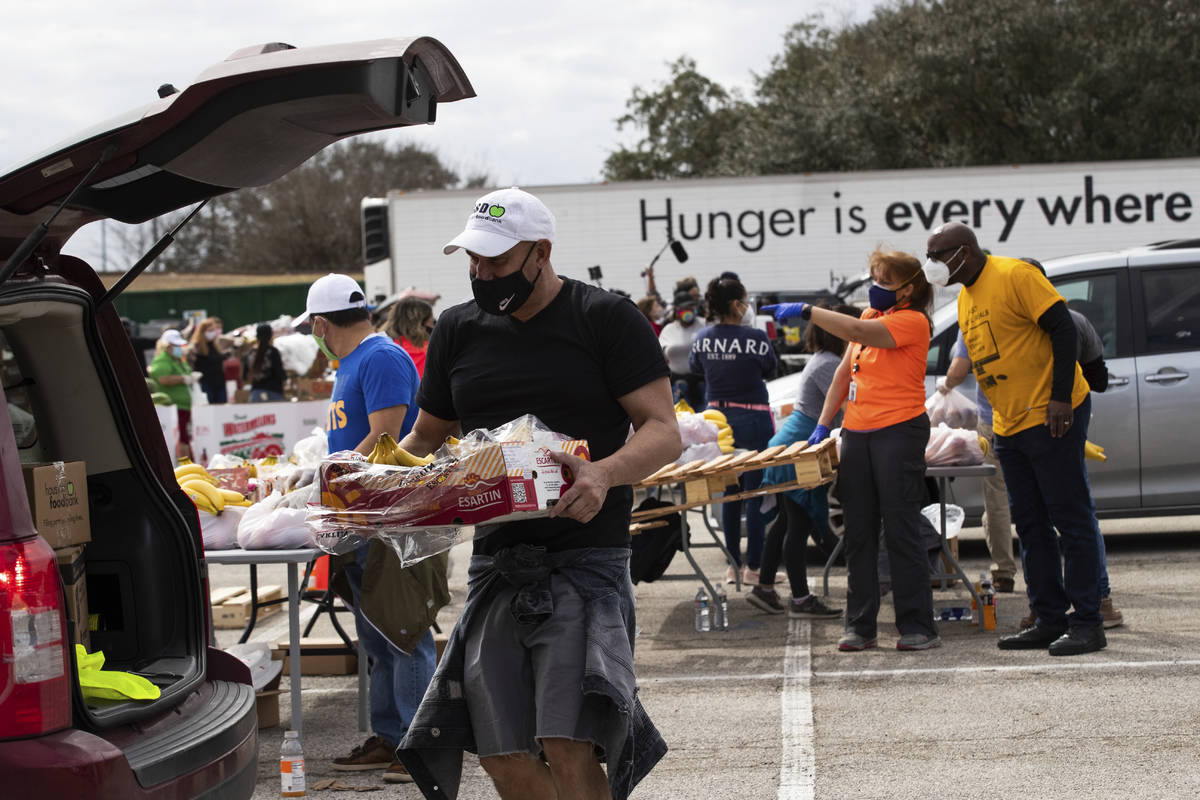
(73, 391)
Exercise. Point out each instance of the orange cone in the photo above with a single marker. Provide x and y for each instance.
(320, 574)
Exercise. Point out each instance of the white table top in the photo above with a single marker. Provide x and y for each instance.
(237, 556)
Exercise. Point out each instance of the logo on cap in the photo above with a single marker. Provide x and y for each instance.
(493, 211)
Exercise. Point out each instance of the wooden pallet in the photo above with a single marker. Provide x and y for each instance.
(705, 481)
(231, 605)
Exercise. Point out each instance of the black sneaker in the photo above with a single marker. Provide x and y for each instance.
(765, 600)
(1079, 639)
(1035, 637)
(812, 608)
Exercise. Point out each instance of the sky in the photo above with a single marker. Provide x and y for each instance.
(550, 78)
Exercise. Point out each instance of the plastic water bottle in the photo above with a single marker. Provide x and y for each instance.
(291, 766)
(703, 624)
(720, 611)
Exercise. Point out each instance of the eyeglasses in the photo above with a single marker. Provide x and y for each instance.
(933, 254)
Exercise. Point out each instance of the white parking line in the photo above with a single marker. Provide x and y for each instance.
(1049, 666)
(797, 761)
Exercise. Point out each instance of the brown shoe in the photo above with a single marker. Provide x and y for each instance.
(375, 753)
(1004, 585)
(1028, 620)
(396, 773)
(1112, 616)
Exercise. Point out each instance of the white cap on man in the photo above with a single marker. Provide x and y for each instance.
(173, 338)
(332, 292)
(500, 220)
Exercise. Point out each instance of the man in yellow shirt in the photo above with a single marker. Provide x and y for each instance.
(1021, 342)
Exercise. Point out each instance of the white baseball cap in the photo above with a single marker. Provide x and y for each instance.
(173, 337)
(502, 218)
(333, 292)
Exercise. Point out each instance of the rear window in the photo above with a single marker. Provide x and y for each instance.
(17, 391)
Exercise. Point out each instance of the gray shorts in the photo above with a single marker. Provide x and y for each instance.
(523, 683)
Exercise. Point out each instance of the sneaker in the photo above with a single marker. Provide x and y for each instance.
(749, 576)
(811, 608)
(1079, 639)
(765, 600)
(851, 642)
(1112, 616)
(375, 753)
(396, 773)
(1004, 584)
(731, 574)
(918, 641)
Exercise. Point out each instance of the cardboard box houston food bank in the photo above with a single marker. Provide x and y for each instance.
(58, 501)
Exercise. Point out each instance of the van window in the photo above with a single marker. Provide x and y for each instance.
(1095, 296)
(940, 349)
(17, 393)
(1172, 308)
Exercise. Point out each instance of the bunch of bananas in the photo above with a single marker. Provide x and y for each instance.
(724, 432)
(388, 451)
(203, 490)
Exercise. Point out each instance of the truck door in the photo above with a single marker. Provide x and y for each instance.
(1103, 297)
(1167, 300)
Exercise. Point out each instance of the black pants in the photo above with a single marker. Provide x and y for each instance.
(788, 537)
(882, 479)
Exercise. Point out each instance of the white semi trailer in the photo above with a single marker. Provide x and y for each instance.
(795, 231)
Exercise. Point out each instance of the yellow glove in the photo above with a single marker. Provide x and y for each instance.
(1094, 451)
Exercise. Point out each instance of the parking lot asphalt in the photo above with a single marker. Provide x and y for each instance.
(769, 709)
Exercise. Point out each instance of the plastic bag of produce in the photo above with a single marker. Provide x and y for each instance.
(953, 447)
(953, 408)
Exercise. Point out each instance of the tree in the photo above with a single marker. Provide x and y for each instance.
(306, 221)
(931, 83)
(687, 122)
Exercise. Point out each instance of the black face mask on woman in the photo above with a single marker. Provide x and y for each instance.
(502, 296)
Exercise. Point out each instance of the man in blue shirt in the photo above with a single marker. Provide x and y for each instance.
(375, 388)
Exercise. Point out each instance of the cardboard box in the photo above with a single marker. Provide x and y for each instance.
(58, 501)
(231, 605)
(313, 388)
(242, 396)
(266, 703)
(322, 656)
(71, 567)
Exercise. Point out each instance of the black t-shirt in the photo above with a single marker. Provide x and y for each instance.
(272, 374)
(567, 366)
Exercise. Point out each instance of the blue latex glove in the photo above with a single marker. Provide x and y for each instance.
(820, 433)
(784, 311)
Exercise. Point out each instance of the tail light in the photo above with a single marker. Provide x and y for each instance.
(35, 688)
(771, 332)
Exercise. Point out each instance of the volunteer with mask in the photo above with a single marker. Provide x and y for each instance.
(735, 360)
(676, 341)
(1022, 344)
(881, 380)
(170, 370)
(375, 392)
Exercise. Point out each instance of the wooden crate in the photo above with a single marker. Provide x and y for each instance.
(705, 482)
(231, 605)
(321, 656)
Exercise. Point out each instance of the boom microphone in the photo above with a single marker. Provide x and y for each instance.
(677, 248)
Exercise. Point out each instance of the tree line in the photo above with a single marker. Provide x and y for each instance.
(936, 83)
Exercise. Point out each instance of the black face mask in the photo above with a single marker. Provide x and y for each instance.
(502, 296)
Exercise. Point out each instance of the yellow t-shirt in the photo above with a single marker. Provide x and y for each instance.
(1009, 352)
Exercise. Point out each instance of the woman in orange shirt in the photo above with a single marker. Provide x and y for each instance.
(882, 476)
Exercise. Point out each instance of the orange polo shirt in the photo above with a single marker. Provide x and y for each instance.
(887, 385)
